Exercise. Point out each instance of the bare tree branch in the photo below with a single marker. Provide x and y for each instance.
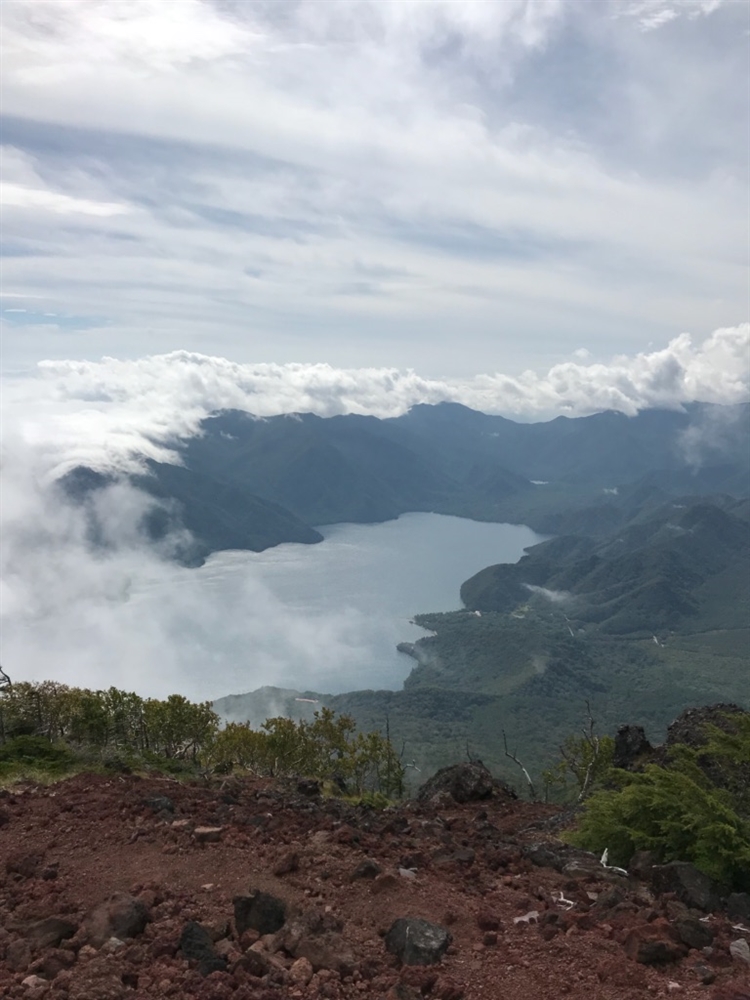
(514, 758)
(593, 741)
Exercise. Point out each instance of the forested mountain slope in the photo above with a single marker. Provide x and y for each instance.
(248, 482)
(639, 624)
(655, 573)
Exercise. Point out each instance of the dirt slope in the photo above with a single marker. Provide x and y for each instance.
(181, 853)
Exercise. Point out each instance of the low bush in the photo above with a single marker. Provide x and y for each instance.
(695, 809)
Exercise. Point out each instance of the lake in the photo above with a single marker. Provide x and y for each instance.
(322, 617)
(337, 610)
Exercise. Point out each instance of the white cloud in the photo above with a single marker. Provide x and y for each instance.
(22, 197)
(653, 14)
(521, 176)
(555, 596)
(112, 413)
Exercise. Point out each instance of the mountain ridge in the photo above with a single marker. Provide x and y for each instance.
(250, 482)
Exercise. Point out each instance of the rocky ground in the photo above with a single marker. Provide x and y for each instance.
(121, 888)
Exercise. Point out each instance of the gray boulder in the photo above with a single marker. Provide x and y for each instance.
(689, 885)
(469, 782)
(49, 933)
(121, 916)
(417, 942)
(316, 936)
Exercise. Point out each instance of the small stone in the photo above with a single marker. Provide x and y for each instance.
(366, 869)
(301, 972)
(112, 945)
(18, 955)
(33, 982)
(248, 938)
(383, 883)
(740, 950)
(287, 864)
(207, 834)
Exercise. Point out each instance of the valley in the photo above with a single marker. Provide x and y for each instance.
(636, 606)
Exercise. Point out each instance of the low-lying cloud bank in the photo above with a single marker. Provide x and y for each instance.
(555, 596)
(124, 614)
(106, 413)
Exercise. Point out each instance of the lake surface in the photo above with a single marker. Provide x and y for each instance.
(328, 617)
(323, 617)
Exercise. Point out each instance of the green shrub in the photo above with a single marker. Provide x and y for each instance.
(35, 751)
(671, 813)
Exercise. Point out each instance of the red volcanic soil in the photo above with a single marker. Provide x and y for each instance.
(345, 874)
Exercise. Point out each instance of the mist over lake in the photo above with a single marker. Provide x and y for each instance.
(365, 582)
(325, 617)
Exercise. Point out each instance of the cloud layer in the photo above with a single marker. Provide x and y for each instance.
(444, 186)
(110, 413)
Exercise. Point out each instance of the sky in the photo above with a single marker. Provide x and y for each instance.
(532, 207)
(452, 188)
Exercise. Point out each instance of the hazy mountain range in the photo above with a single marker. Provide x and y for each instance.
(250, 483)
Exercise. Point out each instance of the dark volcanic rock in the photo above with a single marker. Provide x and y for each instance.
(630, 745)
(159, 803)
(642, 862)
(650, 949)
(366, 869)
(693, 932)
(470, 782)
(121, 916)
(417, 942)
(196, 943)
(49, 933)
(689, 727)
(24, 864)
(738, 906)
(309, 787)
(689, 885)
(561, 856)
(260, 911)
